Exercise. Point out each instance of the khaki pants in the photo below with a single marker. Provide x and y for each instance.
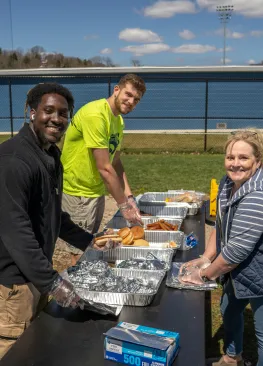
(85, 212)
(18, 306)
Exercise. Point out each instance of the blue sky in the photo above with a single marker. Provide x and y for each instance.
(157, 33)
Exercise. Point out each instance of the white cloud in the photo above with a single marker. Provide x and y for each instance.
(106, 51)
(229, 33)
(249, 8)
(227, 61)
(139, 35)
(193, 48)
(90, 36)
(167, 9)
(187, 34)
(256, 33)
(251, 62)
(236, 35)
(146, 49)
(227, 49)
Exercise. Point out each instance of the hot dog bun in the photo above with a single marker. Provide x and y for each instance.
(138, 232)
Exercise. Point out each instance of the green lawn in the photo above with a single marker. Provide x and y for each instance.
(175, 143)
(160, 172)
(4, 137)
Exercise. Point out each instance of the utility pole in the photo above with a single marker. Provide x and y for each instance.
(224, 15)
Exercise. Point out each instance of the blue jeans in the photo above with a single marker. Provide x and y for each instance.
(232, 310)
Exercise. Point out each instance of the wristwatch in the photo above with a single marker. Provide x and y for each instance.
(204, 278)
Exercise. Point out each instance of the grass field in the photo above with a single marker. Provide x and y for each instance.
(4, 137)
(160, 172)
(155, 143)
(173, 142)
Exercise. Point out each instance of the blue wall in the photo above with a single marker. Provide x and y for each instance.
(172, 101)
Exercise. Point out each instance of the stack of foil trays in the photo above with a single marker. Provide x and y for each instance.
(95, 282)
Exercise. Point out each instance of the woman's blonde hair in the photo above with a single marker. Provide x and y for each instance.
(252, 136)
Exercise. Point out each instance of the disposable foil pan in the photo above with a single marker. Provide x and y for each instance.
(118, 222)
(123, 253)
(158, 199)
(162, 239)
(131, 299)
(179, 210)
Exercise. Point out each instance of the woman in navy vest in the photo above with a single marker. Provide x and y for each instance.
(235, 249)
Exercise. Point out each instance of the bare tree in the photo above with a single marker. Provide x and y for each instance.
(136, 63)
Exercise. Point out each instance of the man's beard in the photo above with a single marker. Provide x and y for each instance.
(117, 104)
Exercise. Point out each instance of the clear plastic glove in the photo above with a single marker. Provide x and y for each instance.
(201, 262)
(133, 203)
(130, 213)
(191, 275)
(64, 294)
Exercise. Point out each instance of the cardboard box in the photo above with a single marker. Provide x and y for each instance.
(138, 345)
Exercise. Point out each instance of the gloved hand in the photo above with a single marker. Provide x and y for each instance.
(64, 294)
(201, 262)
(191, 275)
(130, 213)
(133, 203)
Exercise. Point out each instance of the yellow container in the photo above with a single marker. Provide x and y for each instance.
(213, 195)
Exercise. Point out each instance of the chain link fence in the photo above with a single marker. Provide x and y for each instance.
(176, 114)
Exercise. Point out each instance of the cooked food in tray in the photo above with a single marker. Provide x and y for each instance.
(162, 225)
(125, 236)
(133, 236)
(187, 197)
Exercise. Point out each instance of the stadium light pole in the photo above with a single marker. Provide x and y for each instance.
(11, 24)
(224, 15)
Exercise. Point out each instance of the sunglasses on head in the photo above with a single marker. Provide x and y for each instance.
(247, 132)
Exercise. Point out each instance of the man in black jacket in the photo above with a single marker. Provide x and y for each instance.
(30, 213)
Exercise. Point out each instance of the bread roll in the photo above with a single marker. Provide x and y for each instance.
(124, 232)
(140, 243)
(128, 240)
(138, 232)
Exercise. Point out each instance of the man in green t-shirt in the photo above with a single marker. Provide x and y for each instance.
(91, 158)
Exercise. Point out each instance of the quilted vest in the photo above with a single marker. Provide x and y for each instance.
(247, 277)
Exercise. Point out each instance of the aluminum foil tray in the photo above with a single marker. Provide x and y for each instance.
(165, 210)
(158, 199)
(123, 253)
(118, 222)
(161, 239)
(131, 299)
